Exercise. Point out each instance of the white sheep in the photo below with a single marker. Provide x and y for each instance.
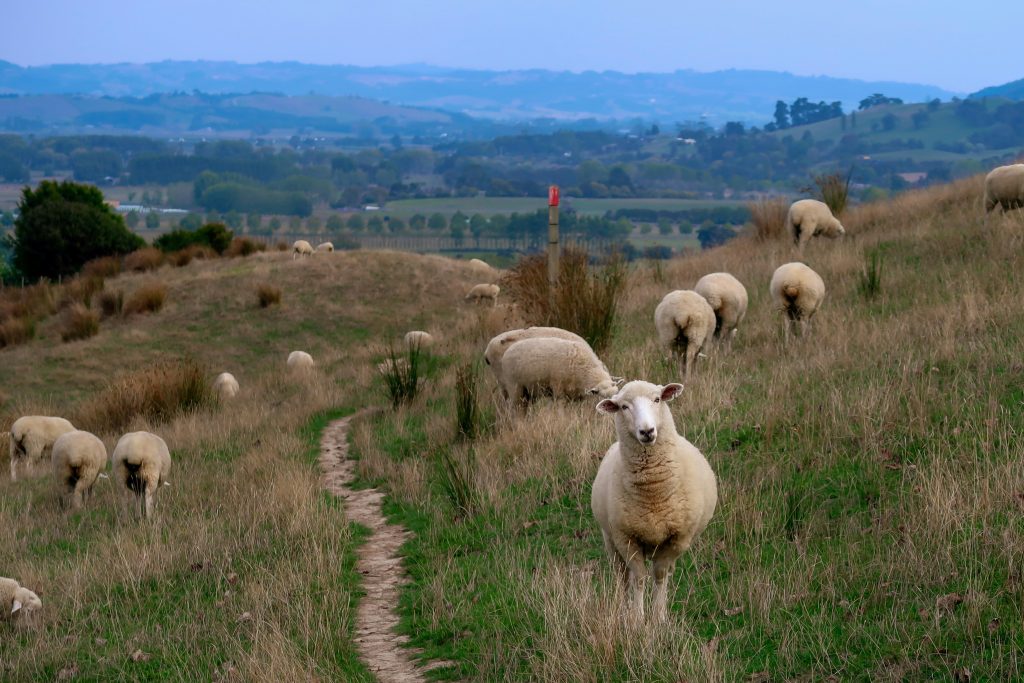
(325, 247)
(301, 248)
(685, 323)
(30, 438)
(728, 299)
(142, 462)
(797, 291)
(226, 385)
(480, 267)
(561, 367)
(419, 339)
(484, 292)
(78, 459)
(809, 217)
(15, 598)
(300, 360)
(1004, 186)
(499, 344)
(654, 491)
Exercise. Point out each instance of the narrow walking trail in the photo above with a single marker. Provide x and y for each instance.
(381, 648)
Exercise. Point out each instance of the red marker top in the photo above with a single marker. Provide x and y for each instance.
(553, 195)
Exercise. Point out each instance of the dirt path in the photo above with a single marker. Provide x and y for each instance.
(381, 648)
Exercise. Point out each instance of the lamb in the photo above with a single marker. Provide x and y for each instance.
(78, 459)
(685, 322)
(419, 339)
(654, 491)
(561, 367)
(809, 217)
(728, 299)
(498, 345)
(301, 248)
(14, 598)
(484, 292)
(31, 436)
(325, 247)
(226, 385)
(1004, 186)
(142, 462)
(797, 291)
(300, 360)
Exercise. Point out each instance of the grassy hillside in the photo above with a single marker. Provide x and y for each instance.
(870, 480)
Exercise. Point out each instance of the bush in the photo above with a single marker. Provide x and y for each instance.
(15, 331)
(79, 323)
(585, 300)
(111, 302)
(103, 267)
(158, 393)
(268, 295)
(146, 299)
(243, 246)
(216, 236)
(769, 218)
(141, 260)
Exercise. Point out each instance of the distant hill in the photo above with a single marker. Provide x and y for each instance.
(1014, 90)
(719, 96)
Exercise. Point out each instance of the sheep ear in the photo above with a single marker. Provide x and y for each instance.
(607, 406)
(670, 391)
(16, 607)
(618, 381)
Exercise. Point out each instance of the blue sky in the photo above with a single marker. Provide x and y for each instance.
(961, 46)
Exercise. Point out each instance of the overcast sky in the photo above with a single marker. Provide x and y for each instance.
(954, 44)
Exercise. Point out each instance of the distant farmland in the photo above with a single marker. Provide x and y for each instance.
(404, 208)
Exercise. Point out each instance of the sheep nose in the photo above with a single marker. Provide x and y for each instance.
(647, 435)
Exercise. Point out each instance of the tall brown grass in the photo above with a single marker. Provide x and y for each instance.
(16, 330)
(185, 256)
(268, 295)
(111, 302)
(79, 322)
(244, 246)
(148, 298)
(834, 190)
(80, 290)
(768, 217)
(103, 267)
(141, 260)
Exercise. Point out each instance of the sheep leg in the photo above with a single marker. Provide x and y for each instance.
(14, 468)
(637, 568)
(662, 568)
(148, 511)
(618, 566)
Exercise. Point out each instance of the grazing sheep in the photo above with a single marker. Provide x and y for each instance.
(300, 360)
(809, 217)
(78, 459)
(325, 247)
(14, 598)
(226, 385)
(31, 436)
(301, 248)
(480, 267)
(419, 339)
(685, 322)
(654, 492)
(142, 462)
(797, 291)
(561, 367)
(728, 299)
(498, 345)
(484, 292)
(1004, 186)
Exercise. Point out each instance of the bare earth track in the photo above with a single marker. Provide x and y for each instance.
(381, 648)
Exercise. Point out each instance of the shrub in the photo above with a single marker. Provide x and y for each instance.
(80, 290)
(282, 245)
(79, 323)
(402, 373)
(216, 236)
(869, 283)
(159, 393)
(104, 267)
(141, 260)
(185, 256)
(769, 218)
(243, 246)
(111, 302)
(15, 331)
(834, 190)
(146, 299)
(213, 235)
(585, 299)
(268, 295)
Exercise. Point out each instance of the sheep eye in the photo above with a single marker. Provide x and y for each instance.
(625, 407)
(657, 400)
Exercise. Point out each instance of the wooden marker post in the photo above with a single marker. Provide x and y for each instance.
(552, 238)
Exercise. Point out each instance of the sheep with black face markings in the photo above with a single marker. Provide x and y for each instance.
(797, 291)
(142, 462)
(685, 323)
(728, 299)
(78, 459)
(31, 437)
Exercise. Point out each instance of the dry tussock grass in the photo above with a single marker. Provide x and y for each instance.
(267, 295)
(104, 267)
(148, 298)
(145, 259)
(79, 322)
(769, 218)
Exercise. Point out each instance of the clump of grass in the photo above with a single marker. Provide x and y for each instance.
(80, 290)
(456, 477)
(158, 393)
(111, 302)
(141, 260)
(33, 302)
(16, 330)
(769, 218)
(185, 256)
(244, 246)
(466, 413)
(402, 373)
(103, 267)
(834, 190)
(268, 295)
(585, 300)
(869, 281)
(79, 322)
(146, 299)
(282, 246)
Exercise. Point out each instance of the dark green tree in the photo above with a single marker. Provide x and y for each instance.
(152, 220)
(131, 219)
(355, 222)
(437, 222)
(781, 115)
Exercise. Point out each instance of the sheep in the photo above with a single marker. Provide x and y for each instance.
(15, 598)
(226, 385)
(565, 368)
(78, 459)
(498, 345)
(809, 217)
(31, 436)
(301, 248)
(654, 491)
(1004, 186)
(484, 292)
(685, 323)
(419, 339)
(142, 462)
(728, 299)
(797, 291)
(480, 267)
(300, 360)
(325, 247)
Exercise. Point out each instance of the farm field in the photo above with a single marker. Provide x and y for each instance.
(491, 205)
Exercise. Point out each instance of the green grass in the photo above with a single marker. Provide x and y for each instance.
(404, 208)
